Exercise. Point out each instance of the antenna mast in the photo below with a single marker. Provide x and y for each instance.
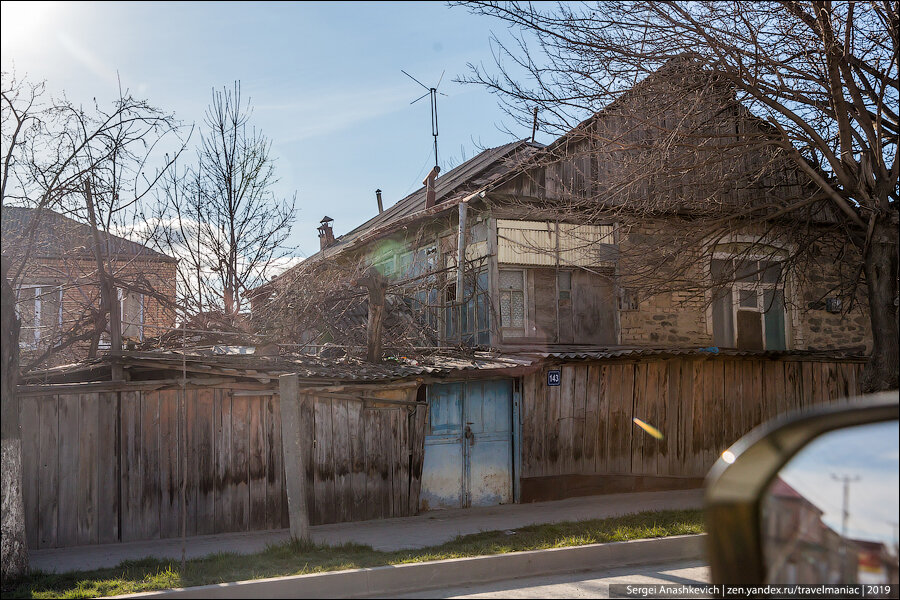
(432, 92)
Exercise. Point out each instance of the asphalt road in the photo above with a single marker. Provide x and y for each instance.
(590, 584)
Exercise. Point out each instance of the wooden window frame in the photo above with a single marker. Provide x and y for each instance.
(122, 296)
(514, 332)
(760, 288)
(36, 298)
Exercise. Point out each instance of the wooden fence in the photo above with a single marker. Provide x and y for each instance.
(367, 455)
(107, 466)
(580, 438)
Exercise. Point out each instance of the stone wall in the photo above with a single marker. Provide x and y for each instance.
(683, 317)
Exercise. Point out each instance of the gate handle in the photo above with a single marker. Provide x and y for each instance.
(470, 436)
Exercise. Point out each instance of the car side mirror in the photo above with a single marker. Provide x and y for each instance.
(809, 498)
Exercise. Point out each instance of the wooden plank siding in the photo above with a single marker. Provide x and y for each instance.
(700, 404)
(109, 466)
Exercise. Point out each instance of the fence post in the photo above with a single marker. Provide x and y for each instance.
(292, 450)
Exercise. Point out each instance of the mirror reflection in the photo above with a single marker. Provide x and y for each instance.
(830, 516)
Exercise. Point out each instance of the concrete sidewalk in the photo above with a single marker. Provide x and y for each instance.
(428, 529)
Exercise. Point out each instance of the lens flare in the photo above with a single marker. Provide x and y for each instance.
(648, 428)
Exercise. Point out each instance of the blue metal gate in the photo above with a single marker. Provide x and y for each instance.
(468, 445)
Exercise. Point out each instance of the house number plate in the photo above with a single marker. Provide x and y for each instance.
(553, 377)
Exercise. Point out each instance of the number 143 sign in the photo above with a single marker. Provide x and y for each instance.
(553, 377)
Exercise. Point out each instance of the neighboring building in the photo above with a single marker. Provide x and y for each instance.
(798, 545)
(58, 292)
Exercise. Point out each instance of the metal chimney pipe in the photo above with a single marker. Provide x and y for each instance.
(380, 205)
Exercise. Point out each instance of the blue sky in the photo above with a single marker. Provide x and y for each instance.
(869, 452)
(324, 80)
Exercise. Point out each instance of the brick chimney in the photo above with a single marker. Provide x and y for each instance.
(326, 234)
(429, 186)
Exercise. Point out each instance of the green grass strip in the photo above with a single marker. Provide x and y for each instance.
(298, 558)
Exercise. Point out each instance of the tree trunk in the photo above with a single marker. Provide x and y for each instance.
(12, 529)
(881, 279)
(375, 283)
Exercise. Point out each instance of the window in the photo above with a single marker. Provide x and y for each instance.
(512, 302)
(131, 308)
(386, 267)
(469, 322)
(40, 310)
(564, 284)
(404, 262)
(748, 306)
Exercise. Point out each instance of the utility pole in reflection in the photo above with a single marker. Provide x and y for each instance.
(845, 513)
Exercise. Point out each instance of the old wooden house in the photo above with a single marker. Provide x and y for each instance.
(549, 251)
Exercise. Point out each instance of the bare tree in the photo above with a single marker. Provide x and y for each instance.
(82, 176)
(369, 303)
(812, 85)
(54, 153)
(221, 216)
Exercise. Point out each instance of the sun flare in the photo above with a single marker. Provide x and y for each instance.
(25, 23)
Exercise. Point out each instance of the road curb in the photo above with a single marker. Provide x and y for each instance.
(396, 579)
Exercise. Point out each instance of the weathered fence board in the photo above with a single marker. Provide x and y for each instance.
(701, 405)
(240, 488)
(149, 499)
(109, 466)
(30, 420)
(355, 428)
(201, 460)
(324, 465)
(48, 474)
(257, 464)
(69, 412)
(88, 497)
(222, 459)
(276, 507)
(169, 465)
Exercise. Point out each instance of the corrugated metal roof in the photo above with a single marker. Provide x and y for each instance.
(207, 363)
(639, 352)
(347, 369)
(468, 177)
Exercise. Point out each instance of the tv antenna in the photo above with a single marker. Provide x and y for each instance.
(433, 92)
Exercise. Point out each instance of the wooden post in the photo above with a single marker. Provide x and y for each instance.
(461, 253)
(292, 450)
